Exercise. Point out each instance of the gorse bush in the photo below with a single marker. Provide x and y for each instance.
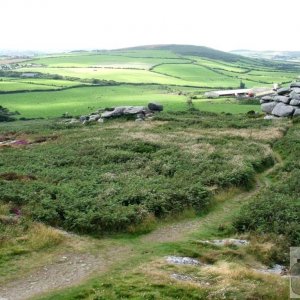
(113, 177)
(277, 208)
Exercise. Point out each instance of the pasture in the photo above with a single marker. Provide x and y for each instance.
(84, 100)
(135, 77)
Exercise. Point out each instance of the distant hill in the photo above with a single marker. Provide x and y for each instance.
(10, 52)
(273, 55)
(191, 50)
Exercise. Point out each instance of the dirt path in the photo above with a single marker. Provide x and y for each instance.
(66, 270)
(71, 268)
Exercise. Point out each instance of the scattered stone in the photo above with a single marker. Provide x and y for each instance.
(283, 110)
(296, 90)
(101, 120)
(276, 270)
(268, 107)
(155, 106)
(228, 242)
(83, 118)
(181, 277)
(93, 118)
(178, 260)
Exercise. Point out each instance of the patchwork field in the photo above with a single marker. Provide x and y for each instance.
(168, 75)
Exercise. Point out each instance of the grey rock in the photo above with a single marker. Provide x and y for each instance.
(297, 112)
(296, 90)
(118, 111)
(295, 84)
(83, 118)
(283, 110)
(74, 121)
(276, 270)
(294, 95)
(181, 277)
(282, 99)
(124, 110)
(155, 106)
(283, 91)
(133, 110)
(295, 102)
(94, 118)
(100, 120)
(178, 260)
(227, 242)
(267, 98)
(268, 107)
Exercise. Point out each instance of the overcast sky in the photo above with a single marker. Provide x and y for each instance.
(108, 24)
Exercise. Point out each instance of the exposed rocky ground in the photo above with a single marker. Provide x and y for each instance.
(141, 113)
(285, 103)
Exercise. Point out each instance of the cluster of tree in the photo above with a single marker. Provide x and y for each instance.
(6, 115)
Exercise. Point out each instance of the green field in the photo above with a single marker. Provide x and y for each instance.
(162, 74)
(102, 60)
(83, 100)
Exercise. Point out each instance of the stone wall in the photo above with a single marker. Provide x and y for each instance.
(285, 103)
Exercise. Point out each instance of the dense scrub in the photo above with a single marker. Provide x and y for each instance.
(276, 209)
(118, 175)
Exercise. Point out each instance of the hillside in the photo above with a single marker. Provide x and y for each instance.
(191, 50)
(273, 55)
(166, 72)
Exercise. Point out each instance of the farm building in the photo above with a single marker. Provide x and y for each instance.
(229, 93)
(29, 75)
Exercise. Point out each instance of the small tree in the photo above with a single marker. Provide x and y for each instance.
(242, 85)
(189, 102)
(6, 115)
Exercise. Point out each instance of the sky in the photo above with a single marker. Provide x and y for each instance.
(56, 25)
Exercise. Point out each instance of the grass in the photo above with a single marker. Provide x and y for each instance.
(90, 178)
(117, 75)
(10, 86)
(80, 101)
(104, 60)
(199, 74)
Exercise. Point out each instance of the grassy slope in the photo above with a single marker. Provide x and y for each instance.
(205, 141)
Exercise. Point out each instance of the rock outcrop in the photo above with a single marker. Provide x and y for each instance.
(141, 113)
(285, 103)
